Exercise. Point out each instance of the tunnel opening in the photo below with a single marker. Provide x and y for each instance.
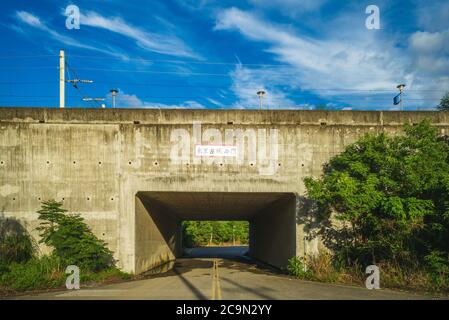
(159, 218)
(215, 239)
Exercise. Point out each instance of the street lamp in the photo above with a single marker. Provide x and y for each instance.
(401, 88)
(260, 93)
(114, 93)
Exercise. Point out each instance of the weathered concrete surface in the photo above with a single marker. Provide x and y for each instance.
(158, 234)
(273, 232)
(98, 160)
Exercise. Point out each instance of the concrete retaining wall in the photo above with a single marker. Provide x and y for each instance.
(97, 160)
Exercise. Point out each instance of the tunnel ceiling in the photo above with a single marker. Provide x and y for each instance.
(213, 205)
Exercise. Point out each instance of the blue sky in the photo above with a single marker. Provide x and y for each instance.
(218, 54)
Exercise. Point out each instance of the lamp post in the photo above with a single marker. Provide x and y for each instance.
(260, 93)
(401, 88)
(114, 93)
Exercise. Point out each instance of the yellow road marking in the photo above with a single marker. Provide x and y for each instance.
(218, 283)
(216, 290)
(213, 281)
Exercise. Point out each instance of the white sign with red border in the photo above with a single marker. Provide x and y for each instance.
(215, 150)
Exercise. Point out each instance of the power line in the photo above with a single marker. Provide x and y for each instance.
(183, 61)
(30, 56)
(75, 85)
(28, 68)
(199, 85)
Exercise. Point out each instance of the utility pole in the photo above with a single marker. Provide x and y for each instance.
(61, 79)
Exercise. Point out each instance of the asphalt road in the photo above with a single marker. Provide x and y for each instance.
(217, 273)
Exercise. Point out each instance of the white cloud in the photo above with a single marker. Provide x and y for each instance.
(290, 7)
(213, 101)
(30, 19)
(361, 61)
(431, 51)
(35, 22)
(125, 100)
(245, 84)
(164, 44)
(326, 63)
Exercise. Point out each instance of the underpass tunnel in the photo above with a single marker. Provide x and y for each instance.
(159, 217)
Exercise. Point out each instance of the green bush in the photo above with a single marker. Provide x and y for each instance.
(33, 274)
(72, 240)
(391, 195)
(438, 266)
(16, 245)
(296, 267)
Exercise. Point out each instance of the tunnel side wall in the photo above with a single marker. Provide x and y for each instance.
(273, 233)
(158, 235)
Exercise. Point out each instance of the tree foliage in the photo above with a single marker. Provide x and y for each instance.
(201, 233)
(391, 195)
(16, 244)
(72, 240)
(444, 103)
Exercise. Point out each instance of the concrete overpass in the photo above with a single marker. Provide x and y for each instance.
(135, 175)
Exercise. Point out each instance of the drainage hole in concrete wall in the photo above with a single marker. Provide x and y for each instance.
(279, 164)
(74, 162)
(129, 162)
(136, 122)
(251, 164)
(63, 199)
(48, 162)
(103, 233)
(14, 199)
(221, 164)
(302, 165)
(39, 199)
(1, 162)
(99, 162)
(230, 122)
(323, 123)
(156, 163)
(112, 199)
(88, 198)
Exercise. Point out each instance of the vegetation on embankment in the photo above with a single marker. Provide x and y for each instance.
(206, 233)
(72, 243)
(390, 196)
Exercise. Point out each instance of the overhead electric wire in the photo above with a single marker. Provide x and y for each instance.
(77, 87)
(305, 94)
(184, 61)
(30, 56)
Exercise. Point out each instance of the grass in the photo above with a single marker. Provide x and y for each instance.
(322, 268)
(47, 273)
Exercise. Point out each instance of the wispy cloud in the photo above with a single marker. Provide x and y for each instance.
(34, 21)
(290, 8)
(125, 100)
(156, 42)
(245, 84)
(362, 63)
(328, 63)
